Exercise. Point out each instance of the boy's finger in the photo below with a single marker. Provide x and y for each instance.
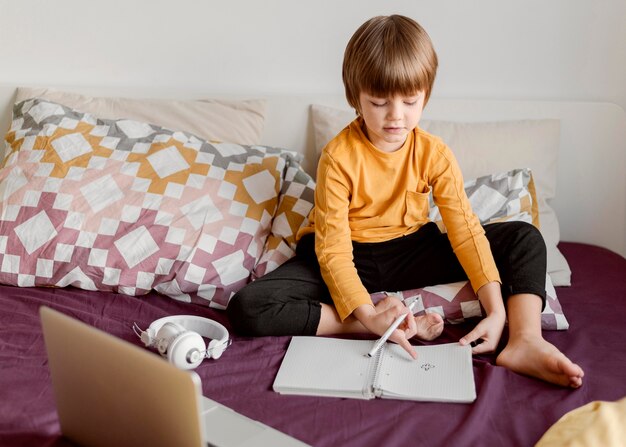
(481, 347)
(411, 326)
(470, 338)
(398, 337)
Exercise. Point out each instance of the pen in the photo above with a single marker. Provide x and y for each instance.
(381, 341)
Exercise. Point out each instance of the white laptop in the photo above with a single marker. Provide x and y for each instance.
(112, 393)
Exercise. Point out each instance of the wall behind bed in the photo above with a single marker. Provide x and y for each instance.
(532, 49)
(572, 50)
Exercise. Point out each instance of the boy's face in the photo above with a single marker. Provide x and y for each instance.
(389, 120)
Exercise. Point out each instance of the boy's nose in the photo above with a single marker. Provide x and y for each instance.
(394, 112)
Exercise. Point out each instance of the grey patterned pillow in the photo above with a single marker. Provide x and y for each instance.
(507, 196)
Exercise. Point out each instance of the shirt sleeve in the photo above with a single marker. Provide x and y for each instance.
(333, 243)
(465, 232)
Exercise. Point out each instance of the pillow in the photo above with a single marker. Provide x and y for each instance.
(238, 122)
(508, 196)
(597, 423)
(530, 143)
(457, 302)
(295, 201)
(479, 147)
(126, 206)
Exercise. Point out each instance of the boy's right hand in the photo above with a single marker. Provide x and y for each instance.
(377, 320)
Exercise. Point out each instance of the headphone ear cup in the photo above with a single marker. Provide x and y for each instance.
(166, 336)
(216, 349)
(187, 351)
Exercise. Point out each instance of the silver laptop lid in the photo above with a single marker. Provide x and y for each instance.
(111, 393)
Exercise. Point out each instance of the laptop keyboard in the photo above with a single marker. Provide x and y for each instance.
(227, 428)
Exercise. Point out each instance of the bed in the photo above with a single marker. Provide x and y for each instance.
(584, 187)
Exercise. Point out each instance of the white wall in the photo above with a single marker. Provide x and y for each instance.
(533, 49)
(572, 50)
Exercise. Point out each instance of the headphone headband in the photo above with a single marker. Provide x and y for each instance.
(204, 326)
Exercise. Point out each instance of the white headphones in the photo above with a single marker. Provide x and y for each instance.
(179, 339)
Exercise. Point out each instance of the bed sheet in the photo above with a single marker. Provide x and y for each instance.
(510, 409)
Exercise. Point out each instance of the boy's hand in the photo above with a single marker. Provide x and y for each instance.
(486, 334)
(377, 320)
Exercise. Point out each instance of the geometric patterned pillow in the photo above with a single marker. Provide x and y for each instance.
(127, 206)
(506, 196)
(294, 204)
(457, 302)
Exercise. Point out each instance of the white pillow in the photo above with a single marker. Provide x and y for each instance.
(484, 149)
(215, 120)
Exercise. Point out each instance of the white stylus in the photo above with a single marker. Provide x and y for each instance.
(381, 341)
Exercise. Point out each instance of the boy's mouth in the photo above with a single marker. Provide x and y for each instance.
(394, 129)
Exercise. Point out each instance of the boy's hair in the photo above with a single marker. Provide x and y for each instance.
(389, 55)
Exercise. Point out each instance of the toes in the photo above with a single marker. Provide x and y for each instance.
(575, 382)
(569, 368)
(434, 318)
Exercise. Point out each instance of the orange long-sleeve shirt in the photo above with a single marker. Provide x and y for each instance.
(367, 195)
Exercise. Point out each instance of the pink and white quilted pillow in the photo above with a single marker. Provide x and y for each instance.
(126, 206)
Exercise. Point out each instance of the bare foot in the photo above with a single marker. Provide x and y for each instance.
(429, 326)
(534, 356)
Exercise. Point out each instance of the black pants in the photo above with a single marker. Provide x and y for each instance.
(287, 300)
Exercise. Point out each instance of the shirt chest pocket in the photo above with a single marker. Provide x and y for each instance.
(417, 207)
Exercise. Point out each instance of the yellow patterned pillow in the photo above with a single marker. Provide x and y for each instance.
(294, 204)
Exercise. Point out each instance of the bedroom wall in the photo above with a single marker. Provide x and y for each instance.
(573, 50)
(532, 49)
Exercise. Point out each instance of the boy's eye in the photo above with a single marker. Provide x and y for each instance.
(378, 104)
(410, 103)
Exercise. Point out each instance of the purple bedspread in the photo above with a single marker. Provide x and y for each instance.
(510, 410)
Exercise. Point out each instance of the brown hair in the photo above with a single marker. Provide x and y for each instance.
(389, 55)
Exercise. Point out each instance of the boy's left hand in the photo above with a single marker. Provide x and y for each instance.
(489, 330)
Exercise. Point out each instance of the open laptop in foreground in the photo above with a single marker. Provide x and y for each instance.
(111, 393)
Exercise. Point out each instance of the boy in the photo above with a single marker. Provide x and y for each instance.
(369, 228)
